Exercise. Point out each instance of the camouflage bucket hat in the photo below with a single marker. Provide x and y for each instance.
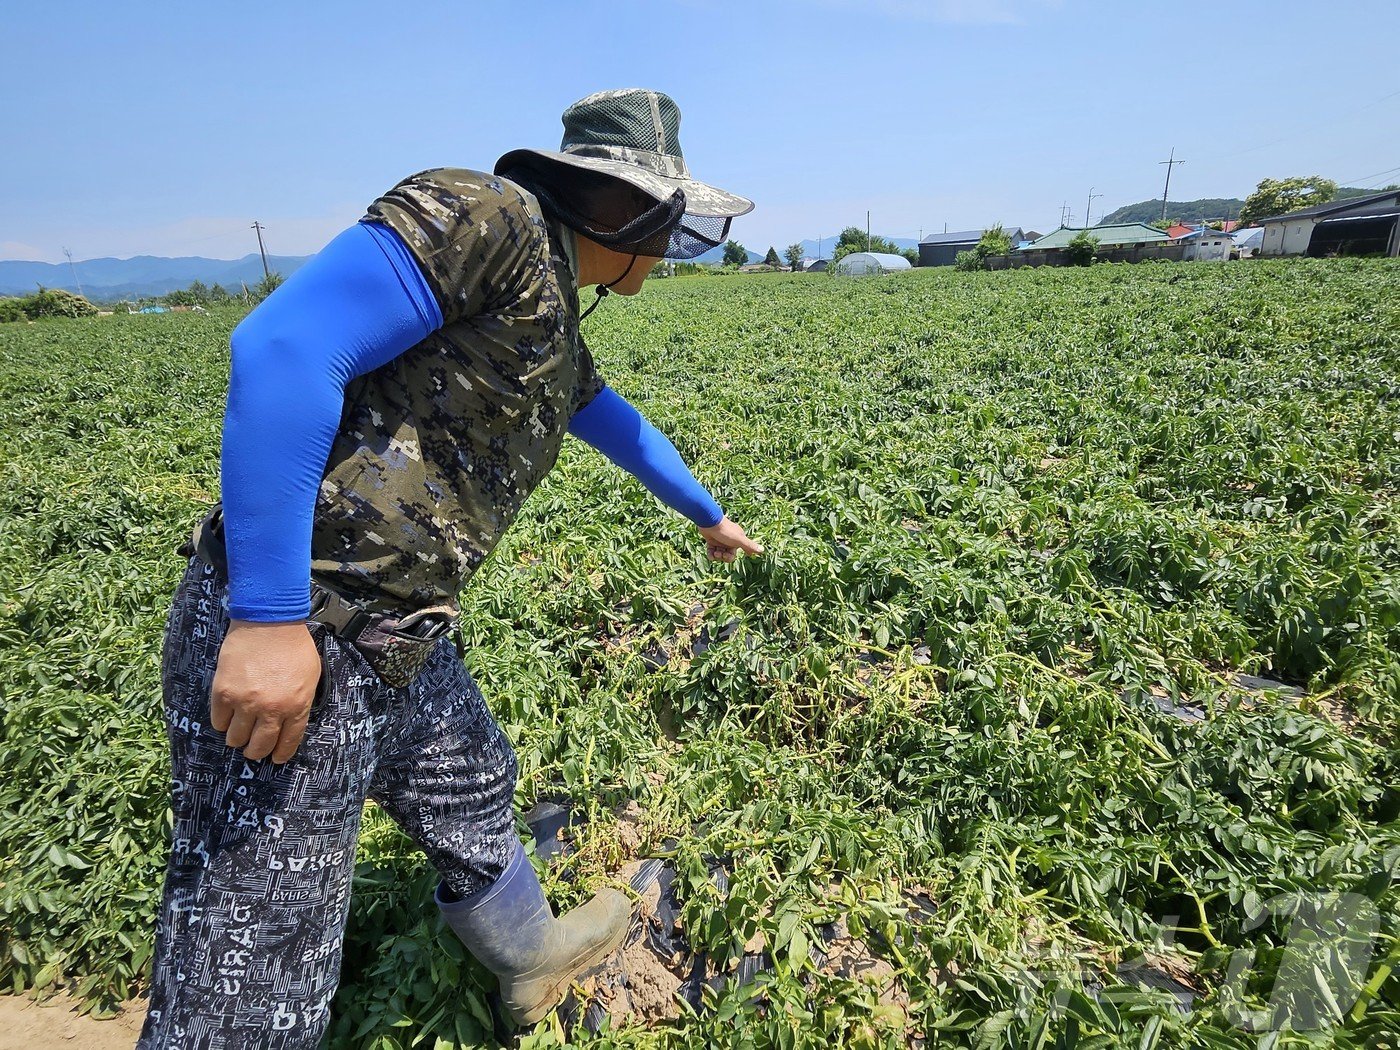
(632, 135)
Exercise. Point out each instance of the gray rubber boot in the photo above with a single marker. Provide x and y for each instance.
(509, 928)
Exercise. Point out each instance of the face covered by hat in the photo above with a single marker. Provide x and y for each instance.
(620, 178)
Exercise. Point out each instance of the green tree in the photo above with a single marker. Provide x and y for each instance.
(267, 286)
(1083, 249)
(854, 239)
(735, 254)
(793, 256)
(994, 241)
(218, 294)
(1280, 196)
(771, 259)
(55, 302)
(967, 261)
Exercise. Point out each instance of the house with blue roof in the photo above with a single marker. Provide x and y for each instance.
(1203, 244)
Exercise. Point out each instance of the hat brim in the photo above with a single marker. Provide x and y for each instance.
(700, 198)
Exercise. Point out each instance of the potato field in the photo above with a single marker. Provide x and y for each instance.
(1060, 711)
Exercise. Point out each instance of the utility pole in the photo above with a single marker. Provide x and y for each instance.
(1064, 211)
(76, 281)
(1170, 162)
(1088, 205)
(867, 231)
(259, 227)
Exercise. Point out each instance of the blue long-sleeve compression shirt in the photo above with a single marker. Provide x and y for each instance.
(355, 306)
(615, 428)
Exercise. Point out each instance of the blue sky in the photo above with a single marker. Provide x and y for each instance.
(167, 128)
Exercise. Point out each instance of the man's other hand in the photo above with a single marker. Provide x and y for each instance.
(264, 686)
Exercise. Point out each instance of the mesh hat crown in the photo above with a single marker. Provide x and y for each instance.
(632, 135)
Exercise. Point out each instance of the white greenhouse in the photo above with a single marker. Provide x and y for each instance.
(872, 262)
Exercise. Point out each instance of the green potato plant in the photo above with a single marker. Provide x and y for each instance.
(980, 700)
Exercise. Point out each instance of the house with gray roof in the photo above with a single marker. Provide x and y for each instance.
(1359, 226)
(941, 249)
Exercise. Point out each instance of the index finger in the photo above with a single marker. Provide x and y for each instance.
(749, 546)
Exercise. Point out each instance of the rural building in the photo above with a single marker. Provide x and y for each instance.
(1118, 242)
(872, 262)
(1205, 245)
(1249, 241)
(1360, 226)
(941, 249)
(1181, 229)
(815, 265)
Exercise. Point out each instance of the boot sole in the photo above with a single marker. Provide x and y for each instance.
(578, 967)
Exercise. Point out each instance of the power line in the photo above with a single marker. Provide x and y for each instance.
(1309, 129)
(1088, 206)
(1365, 178)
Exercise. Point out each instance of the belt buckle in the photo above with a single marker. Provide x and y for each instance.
(346, 619)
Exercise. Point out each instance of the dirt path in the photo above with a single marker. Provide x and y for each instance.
(25, 1025)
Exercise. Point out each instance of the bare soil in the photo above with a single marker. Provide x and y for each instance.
(850, 957)
(28, 1025)
(636, 985)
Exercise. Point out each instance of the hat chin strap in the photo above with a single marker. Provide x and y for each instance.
(603, 289)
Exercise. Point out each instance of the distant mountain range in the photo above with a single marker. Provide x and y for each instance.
(147, 276)
(1182, 211)
(109, 280)
(1203, 209)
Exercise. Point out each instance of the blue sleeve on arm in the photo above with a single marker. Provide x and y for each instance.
(615, 428)
(358, 304)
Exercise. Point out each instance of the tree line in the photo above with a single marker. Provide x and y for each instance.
(852, 239)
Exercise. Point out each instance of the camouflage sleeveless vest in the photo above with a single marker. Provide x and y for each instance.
(438, 449)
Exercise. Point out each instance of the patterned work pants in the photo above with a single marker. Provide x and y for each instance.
(248, 944)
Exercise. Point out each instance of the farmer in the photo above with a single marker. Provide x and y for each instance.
(389, 410)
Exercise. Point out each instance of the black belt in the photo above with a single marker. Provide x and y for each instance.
(396, 646)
